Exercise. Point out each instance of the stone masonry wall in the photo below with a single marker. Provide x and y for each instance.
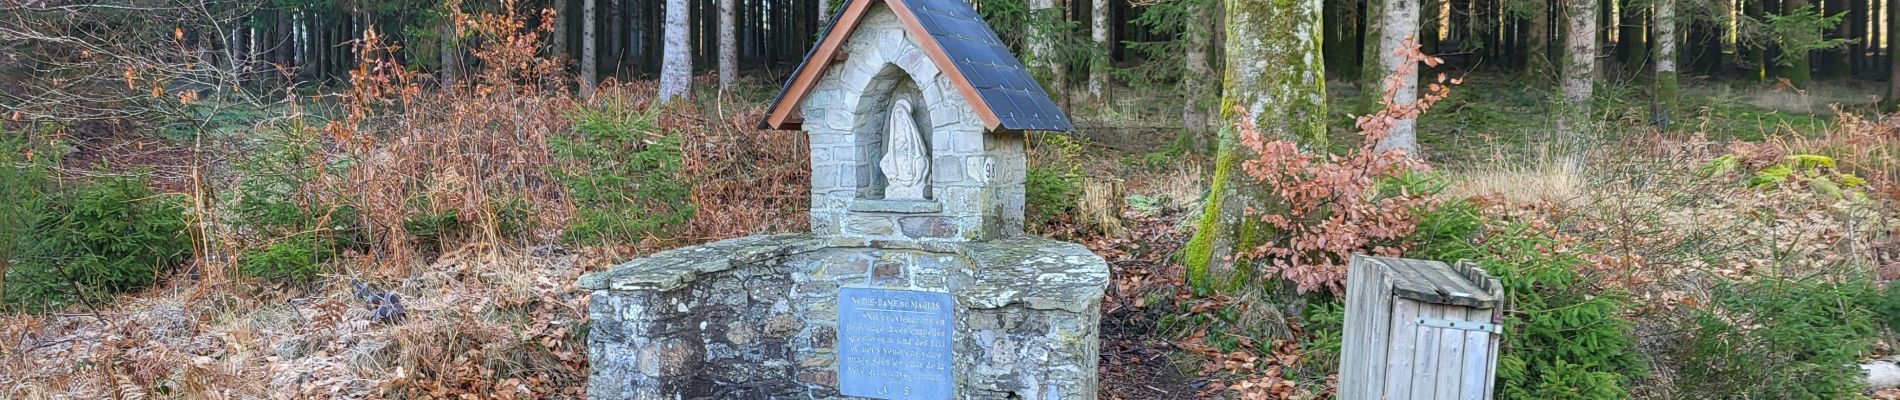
(756, 317)
(846, 115)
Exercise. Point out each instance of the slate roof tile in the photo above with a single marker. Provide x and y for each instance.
(1003, 84)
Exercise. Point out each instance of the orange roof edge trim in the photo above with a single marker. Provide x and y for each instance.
(782, 112)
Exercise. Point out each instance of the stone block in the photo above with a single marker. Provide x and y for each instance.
(945, 115)
(895, 206)
(819, 377)
(948, 170)
(868, 225)
(888, 273)
(928, 227)
(978, 168)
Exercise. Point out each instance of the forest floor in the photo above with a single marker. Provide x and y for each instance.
(504, 322)
(1484, 141)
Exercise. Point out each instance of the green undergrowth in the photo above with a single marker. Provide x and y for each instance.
(1724, 113)
(623, 175)
(88, 240)
(1566, 336)
(1493, 113)
(1487, 111)
(298, 226)
(1781, 339)
(1052, 186)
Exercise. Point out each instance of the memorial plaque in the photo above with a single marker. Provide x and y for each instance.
(894, 344)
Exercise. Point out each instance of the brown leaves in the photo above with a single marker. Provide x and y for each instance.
(1326, 207)
(1249, 374)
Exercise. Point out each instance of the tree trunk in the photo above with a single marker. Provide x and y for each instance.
(1371, 72)
(283, 47)
(612, 50)
(1342, 37)
(1605, 28)
(1044, 64)
(1876, 39)
(1199, 109)
(1665, 46)
(1098, 66)
(1834, 62)
(728, 46)
(1275, 73)
(300, 40)
(676, 75)
(1857, 29)
(1398, 27)
(560, 30)
(240, 48)
(1431, 13)
(451, 55)
(1756, 54)
(1579, 72)
(1893, 61)
(1537, 61)
(1630, 45)
(1478, 29)
(590, 67)
(1796, 69)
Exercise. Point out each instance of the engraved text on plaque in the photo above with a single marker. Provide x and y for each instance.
(894, 344)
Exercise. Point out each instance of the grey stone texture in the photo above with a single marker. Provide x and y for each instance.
(976, 177)
(756, 317)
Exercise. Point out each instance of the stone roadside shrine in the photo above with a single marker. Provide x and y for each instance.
(916, 280)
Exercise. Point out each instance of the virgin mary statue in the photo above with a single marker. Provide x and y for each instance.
(906, 161)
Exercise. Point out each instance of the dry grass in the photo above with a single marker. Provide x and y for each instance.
(1815, 99)
(1518, 183)
(479, 322)
(488, 316)
(1668, 234)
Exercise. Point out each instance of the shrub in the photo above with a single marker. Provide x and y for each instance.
(1052, 188)
(1564, 337)
(1887, 308)
(111, 236)
(1779, 339)
(1865, 149)
(279, 200)
(1318, 209)
(1050, 193)
(431, 228)
(622, 173)
(296, 258)
(414, 157)
(25, 182)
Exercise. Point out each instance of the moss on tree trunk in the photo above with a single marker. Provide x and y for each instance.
(1665, 47)
(1274, 71)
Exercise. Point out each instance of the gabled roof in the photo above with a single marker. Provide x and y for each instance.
(957, 40)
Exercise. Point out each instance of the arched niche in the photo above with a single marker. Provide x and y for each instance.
(870, 125)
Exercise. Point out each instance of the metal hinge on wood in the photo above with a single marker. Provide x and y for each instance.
(1461, 325)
